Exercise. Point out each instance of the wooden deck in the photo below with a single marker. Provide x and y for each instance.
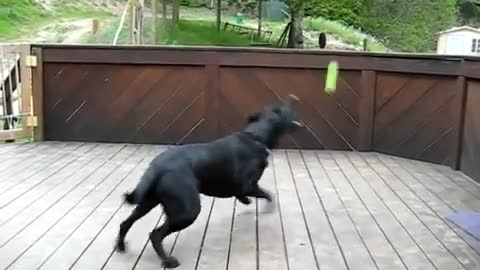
(60, 208)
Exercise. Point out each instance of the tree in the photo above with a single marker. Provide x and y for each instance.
(469, 12)
(408, 25)
(175, 11)
(295, 37)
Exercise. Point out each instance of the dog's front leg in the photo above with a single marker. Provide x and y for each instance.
(258, 192)
(244, 199)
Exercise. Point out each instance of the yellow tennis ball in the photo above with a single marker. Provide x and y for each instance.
(332, 76)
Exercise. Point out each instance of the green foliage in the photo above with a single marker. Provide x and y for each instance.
(18, 17)
(191, 32)
(405, 25)
(346, 11)
(346, 34)
(14, 13)
(408, 25)
(469, 12)
(200, 33)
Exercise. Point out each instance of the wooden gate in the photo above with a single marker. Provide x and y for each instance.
(16, 110)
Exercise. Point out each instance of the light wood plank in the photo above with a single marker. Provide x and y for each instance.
(215, 251)
(61, 193)
(61, 181)
(23, 171)
(297, 240)
(24, 154)
(353, 248)
(13, 247)
(100, 251)
(383, 254)
(439, 254)
(433, 209)
(16, 162)
(11, 194)
(362, 178)
(37, 253)
(459, 178)
(12, 150)
(243, 248)
(326, 246)
(271, 247)
(71, 247)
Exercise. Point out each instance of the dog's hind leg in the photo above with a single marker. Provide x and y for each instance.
(181, 203)
(137, 213)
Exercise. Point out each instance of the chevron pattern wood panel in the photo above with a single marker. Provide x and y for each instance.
(331, 121)
(125, 103)
(470, 158)
(415, 116)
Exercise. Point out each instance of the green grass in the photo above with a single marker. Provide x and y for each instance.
(200, 33)
(20, 17)
(80, 9)
(347, 34)
(187, 32)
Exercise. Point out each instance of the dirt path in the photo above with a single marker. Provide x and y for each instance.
(63, 31)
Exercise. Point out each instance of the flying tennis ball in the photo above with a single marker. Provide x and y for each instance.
(332, 76)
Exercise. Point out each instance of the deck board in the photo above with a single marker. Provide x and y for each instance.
(61, 206)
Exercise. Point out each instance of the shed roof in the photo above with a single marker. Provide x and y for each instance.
(460, 28)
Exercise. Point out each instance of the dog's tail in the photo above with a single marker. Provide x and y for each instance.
(144, 186)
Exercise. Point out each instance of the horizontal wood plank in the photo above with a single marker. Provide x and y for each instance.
(334, 210)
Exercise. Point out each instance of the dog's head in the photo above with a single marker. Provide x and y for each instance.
(274, 121)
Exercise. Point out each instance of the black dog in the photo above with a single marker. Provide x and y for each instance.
(228, 167)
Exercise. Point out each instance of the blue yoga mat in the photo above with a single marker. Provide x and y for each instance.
(468, 221)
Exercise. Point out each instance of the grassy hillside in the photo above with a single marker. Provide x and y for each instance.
(187, 32)
(19, 17)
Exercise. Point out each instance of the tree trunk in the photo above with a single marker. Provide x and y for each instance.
(154, 21)
(164, 11)
(175, 11)
(259, 29)
(295, 37)
(219, 15)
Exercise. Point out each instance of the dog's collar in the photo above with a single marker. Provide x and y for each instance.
(258, 141)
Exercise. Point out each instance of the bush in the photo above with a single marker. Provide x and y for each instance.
(408, 25)
(405, 25)
(346, 11)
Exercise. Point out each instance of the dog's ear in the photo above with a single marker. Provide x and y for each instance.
(253, 117)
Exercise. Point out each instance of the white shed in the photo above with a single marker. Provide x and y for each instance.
(463, 40)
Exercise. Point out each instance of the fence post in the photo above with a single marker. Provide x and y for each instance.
(459, 103)
(366, 109)
(37, 95)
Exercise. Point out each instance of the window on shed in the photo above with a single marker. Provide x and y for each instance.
(476, 45)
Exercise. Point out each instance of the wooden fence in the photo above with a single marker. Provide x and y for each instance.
(415, 106)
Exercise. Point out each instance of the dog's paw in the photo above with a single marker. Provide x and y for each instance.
(170, 262)
(244, 200)
(120, 246)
